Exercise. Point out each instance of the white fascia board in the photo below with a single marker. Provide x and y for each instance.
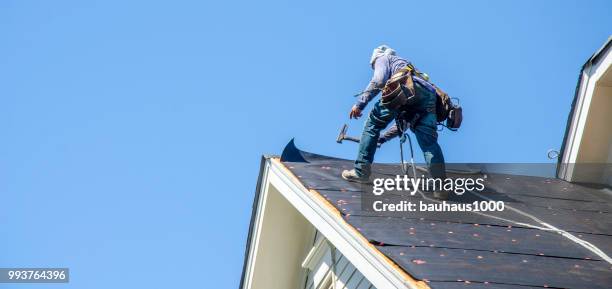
(257, 223)
(588, 82)
(366, 259)
(576, 128)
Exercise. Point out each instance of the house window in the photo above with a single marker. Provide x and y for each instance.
(327, 282)
(327, 268)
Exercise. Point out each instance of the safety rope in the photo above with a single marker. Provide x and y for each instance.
(551, 228)
(446, 126)
(544, 226)
(402, 126)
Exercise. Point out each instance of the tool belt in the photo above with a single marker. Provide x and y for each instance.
(399, 90)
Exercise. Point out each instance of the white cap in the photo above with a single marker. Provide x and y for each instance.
(380, 51)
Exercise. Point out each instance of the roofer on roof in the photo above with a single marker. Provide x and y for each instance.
(420, 112)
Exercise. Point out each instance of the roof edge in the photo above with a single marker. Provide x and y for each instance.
(387, 269)
(262, 167)
(593, 59)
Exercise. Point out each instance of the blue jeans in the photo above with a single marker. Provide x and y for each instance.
(425, 131)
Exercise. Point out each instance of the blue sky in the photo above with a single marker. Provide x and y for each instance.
(132, 131)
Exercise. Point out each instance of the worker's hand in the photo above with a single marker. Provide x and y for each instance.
(355, 112)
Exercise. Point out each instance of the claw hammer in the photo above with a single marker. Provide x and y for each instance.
(342, 135)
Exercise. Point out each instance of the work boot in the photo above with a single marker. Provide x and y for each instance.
(440, 195)
(351, 176)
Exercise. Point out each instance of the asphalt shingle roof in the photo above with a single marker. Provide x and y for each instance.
(468, 250)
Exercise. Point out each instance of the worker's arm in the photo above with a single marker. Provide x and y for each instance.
(389, 134)
(381, 74)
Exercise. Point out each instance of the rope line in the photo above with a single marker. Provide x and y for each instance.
(548, 227)
(544, 226)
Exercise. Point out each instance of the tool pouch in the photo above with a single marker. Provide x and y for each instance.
(399, 91)
(448, 111)
(455, 117)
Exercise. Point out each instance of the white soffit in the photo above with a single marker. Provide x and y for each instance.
(369, 261)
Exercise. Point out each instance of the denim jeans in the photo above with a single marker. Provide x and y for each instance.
(425, 131)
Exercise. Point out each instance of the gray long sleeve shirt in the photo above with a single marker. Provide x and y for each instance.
(384, 67)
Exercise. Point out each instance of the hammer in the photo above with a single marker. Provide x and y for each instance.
(342, 136)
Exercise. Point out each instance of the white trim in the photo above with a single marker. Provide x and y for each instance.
(367, 260)
(328, 281)
(576, 128)
(263, 191)
(314, 255)
(588, 83)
